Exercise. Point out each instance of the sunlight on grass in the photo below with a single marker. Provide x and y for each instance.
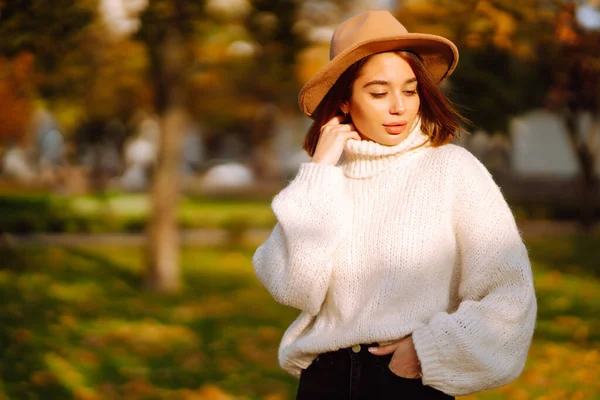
(217, 215)
(147, 338)
(192, 213)
(77, 292)
(125, 213)
(553, 371)
(77, 326)
(64, 372)
(123, 205)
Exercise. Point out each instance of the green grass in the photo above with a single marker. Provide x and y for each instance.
(75, 325)
(123, 213)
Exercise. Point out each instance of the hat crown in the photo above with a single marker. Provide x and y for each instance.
(369, 33)
(369, 25)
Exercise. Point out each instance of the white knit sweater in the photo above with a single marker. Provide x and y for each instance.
(396, 240)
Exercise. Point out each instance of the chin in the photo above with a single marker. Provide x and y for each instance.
(392, 140)
(384, 139)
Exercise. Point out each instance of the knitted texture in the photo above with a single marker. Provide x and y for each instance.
(396, 241)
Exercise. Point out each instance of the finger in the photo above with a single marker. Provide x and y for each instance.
(338, 128)
(391, 367)
(407, 373)
(383, 350)
(336, 120)
(351, 135)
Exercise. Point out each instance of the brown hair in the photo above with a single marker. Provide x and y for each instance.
(439, 118)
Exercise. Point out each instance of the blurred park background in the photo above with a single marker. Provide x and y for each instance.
(141, 142)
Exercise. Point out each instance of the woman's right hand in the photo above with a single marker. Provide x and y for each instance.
(332, 140)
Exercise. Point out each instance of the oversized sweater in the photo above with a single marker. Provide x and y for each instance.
(398, 240)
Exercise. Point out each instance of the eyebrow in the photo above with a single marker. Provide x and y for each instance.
(378, 82)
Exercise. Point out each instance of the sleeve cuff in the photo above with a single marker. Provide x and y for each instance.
(428, 353)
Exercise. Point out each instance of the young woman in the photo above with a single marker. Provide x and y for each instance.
(404, 258)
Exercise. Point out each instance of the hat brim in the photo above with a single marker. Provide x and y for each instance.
(439, 55)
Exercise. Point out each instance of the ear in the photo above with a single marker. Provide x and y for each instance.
(345, 107)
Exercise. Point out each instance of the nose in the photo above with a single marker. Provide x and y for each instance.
(397, 105)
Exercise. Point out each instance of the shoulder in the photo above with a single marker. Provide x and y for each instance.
(453, 153)
(457, 159)
(465, 172)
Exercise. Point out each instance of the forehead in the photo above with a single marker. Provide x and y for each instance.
(387, 66)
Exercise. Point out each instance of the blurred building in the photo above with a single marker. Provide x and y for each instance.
(141, 154)
(541, 146)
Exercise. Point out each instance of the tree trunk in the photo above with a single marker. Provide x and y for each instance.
(163, 235)
(169, 66)
(586, 159)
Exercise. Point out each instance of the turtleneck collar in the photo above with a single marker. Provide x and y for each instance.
(366, 158)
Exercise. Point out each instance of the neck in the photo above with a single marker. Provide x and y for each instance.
(366, 158)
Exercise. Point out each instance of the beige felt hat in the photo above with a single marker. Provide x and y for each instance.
(374, 32)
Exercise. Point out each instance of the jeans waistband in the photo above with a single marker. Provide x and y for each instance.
(358, 349)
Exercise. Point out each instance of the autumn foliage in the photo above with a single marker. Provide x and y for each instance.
(16, 97)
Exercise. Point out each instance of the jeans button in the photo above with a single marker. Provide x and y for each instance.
(356, 348)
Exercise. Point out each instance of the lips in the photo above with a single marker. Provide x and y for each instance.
(395, 128)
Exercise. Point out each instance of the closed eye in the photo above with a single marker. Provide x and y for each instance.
(378, 95)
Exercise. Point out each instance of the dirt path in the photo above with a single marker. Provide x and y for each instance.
(207, 237)
(254, 237)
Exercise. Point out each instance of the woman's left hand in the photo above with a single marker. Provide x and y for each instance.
(405, 362)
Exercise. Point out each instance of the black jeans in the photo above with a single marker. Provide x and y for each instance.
(349, 375)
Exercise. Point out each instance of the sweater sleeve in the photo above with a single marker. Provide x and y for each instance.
(294, 264)
(484, 343)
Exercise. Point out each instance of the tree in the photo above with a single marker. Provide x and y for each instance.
(37, 36)
(16, 97)
(498, 43)
(165, 28)
(176, 31)
(575, 91)
(47, 30)
(507, 46)
(187, 49)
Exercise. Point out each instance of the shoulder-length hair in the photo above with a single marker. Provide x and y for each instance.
(439, 118)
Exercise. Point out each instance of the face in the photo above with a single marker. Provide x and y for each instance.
(384, 102)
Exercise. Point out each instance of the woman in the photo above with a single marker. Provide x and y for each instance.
(404, 259)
